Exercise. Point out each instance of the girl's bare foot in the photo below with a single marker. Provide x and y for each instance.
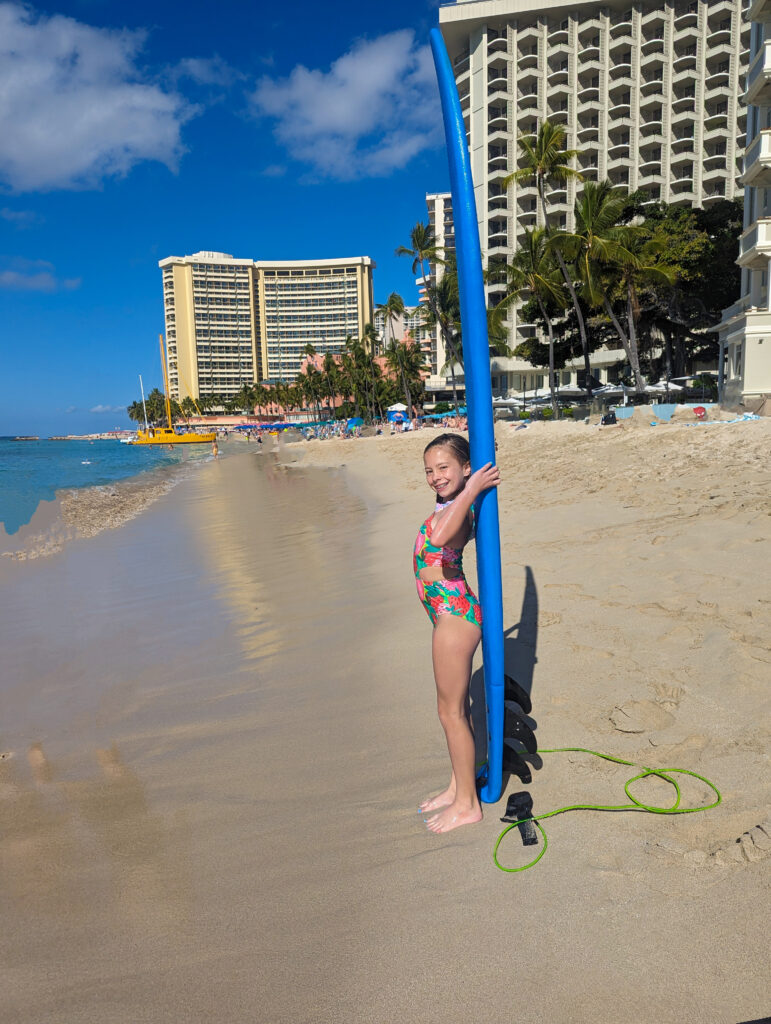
(453, 817)
(435, 803)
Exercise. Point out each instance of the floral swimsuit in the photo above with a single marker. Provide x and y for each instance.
(444, 596)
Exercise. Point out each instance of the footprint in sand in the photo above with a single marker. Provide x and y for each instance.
(751, 846)
(668, 696)
(640, 716)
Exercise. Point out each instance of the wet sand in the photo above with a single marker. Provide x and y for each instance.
(220, 721)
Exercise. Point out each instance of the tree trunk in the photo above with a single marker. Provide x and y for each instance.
(667, 353)
(632, 328)
(573, 296)
(630, 353)
(450, 345)
(550, 329)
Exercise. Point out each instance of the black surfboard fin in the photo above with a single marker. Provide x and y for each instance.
(513, 763)
(513, 691)
(515, 729)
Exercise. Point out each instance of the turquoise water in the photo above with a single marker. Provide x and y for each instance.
(33, 471)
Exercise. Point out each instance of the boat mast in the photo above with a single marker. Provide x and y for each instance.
(165, 382)
(142, 389)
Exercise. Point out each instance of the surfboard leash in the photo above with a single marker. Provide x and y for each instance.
(634, 805)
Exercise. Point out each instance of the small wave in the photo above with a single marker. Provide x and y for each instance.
(87, 511)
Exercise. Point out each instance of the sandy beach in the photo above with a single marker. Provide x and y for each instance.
(218, 722)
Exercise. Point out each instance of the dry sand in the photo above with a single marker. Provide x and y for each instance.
(220, 721)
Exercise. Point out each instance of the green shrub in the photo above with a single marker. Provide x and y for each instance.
(548, 414)
(568, 410)
(524, 414)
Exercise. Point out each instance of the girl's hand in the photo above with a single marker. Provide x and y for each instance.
(485, 478)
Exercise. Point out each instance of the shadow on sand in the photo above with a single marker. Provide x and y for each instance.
(520, 750)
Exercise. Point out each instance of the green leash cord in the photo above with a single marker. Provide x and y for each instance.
(635, 805)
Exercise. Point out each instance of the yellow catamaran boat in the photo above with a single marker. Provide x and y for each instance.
(168, 435)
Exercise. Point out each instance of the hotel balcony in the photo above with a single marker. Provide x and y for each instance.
(760, 10)
(587, 132)
(620, 25)
(652, 47)
(528, 58)
(689, 17)
(755, 245)
(759, 78)
(496, 41)
(684, 61)
(757, 161)
(589, 54)
(589, 98)
(719, 32)
(652, 87)
(499, 135)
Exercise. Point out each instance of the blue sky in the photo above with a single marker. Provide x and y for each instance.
(133, 132)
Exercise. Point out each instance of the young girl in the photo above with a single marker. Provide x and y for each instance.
(456, 616)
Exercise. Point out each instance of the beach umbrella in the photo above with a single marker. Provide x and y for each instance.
(397, 407)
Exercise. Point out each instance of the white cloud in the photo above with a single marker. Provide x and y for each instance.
(206, 71)
(108, 408)
(375, 109)
(36, 281)
(74, 106)
(20, 218)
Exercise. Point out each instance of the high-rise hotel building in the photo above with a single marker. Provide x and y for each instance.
(744, 368)
(649, 93)
(231, 322)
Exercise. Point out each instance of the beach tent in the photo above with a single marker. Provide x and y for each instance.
(355, 421)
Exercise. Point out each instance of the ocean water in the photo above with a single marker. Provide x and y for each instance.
(33, 471)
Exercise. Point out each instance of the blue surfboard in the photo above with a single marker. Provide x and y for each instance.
(479, 401)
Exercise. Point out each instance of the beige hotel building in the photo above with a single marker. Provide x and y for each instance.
(651, 94)
(231, 322)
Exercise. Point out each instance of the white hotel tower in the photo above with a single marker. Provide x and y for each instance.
(651, 95)
(745, 329)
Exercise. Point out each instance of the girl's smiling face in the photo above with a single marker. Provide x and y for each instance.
(445, 475)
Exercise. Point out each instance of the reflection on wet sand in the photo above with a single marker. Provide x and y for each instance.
(70, 844)
(300, 537)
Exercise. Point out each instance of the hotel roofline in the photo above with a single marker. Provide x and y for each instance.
(220, 257)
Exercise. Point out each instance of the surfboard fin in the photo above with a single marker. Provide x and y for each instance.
(515, 729)
(513, 763)
(513, 691)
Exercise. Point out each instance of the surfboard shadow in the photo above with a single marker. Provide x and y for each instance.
(519, 657)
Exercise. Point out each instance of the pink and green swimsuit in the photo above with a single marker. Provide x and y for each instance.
(445, 596)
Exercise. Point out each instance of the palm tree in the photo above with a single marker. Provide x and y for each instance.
(595, 246)
(331, 373)
(444, 309)
(533, 272)
(628, 276)
(424, 251)
(187, 405)
(543, 161)
(405, 360)
(390, 310)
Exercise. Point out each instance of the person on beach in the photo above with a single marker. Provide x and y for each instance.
(455, 614)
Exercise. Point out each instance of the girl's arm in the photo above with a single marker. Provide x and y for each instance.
(454, 520)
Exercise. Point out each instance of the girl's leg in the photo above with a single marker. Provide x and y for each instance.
(446, 797)
(453, 646)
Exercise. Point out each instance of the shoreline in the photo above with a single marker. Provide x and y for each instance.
(82, 512)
